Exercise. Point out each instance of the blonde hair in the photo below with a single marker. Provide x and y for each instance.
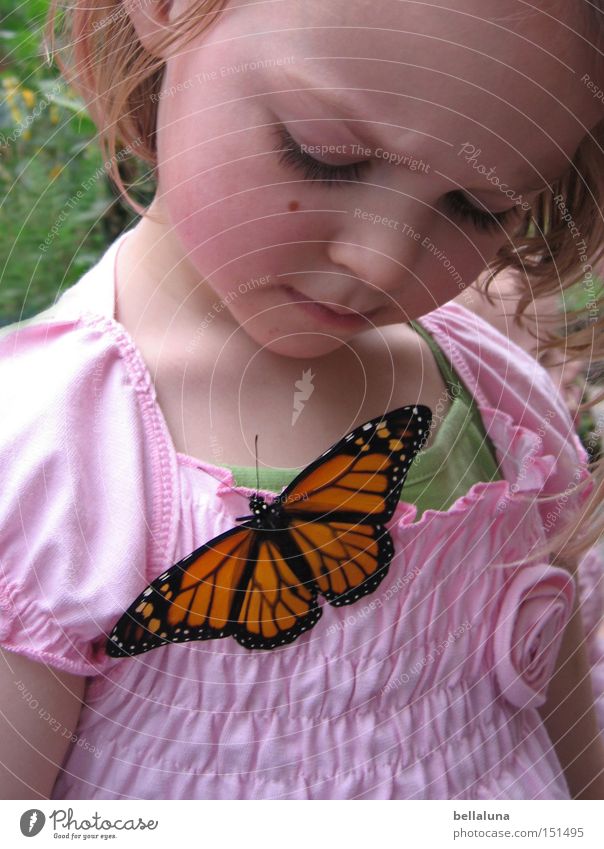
(100, 55)
(98, 52)
(561, 236)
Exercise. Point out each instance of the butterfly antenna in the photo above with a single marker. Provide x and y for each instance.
(232, 488)
(257, 473)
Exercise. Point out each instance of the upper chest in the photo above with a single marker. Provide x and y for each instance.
(216, 401)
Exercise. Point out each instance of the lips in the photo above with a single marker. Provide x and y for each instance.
(338, 310)
(343, 310)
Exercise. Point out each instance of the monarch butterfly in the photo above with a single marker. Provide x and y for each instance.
(259, 581)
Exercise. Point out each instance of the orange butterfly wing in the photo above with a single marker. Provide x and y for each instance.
(362, 475)
(259, 583)
(345, 561)
(277, 606)
(239, 584)
(339, 504)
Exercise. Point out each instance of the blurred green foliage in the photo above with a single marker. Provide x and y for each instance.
(584, 294)
(57, 208)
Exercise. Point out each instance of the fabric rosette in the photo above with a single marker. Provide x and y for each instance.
(535, 610)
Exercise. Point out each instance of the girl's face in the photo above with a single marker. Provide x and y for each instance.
(369, 156)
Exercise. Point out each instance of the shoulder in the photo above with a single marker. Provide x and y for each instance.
(59, 345)
(88, 484)
(71, 360)
(77, 399)
(507, 381)
(496, 370)
(62, 372)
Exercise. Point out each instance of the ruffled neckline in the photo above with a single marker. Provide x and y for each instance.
(513, 443)
(519, 441)
(457, 421)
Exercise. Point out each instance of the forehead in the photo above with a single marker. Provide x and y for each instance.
(502, 76)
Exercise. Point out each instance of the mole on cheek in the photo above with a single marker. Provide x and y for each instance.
(293, 205)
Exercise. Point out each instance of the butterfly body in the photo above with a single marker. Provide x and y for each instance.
(265, 516)
(324, 534)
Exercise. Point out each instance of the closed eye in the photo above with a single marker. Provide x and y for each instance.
(292, 155)
(481, 219)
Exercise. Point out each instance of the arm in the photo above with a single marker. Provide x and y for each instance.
(32, 750)
(569, 716)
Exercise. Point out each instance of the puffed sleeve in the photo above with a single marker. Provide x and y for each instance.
(569, 488)
(504, 378)
(85, 490)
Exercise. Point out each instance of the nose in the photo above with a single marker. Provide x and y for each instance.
(379, 246)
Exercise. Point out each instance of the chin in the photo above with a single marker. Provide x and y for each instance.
(303, 346)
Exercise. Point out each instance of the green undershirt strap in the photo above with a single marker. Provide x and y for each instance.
(461, 455)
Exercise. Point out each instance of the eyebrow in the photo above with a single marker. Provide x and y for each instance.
(525, 190)
(547, 183)
(321, 94)
(346, 109)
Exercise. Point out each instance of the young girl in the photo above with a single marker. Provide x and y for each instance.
(329, 177)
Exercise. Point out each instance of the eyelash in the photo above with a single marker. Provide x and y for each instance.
(483, 221)
(334, 175)
(291, 154)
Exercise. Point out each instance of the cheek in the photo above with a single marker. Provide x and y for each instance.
(234, 226)
(244, 235)
(447, 264)
(221, 199)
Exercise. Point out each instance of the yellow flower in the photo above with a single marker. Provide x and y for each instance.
(16, 113)
(54, 115)
(11, 86)
(26, 135)
(55, 172)
(29, 97)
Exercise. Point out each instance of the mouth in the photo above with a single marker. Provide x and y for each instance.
(342, 317)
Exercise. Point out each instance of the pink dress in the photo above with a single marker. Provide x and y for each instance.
(426, 689)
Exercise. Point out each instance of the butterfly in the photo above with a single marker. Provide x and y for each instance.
(324, 534)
